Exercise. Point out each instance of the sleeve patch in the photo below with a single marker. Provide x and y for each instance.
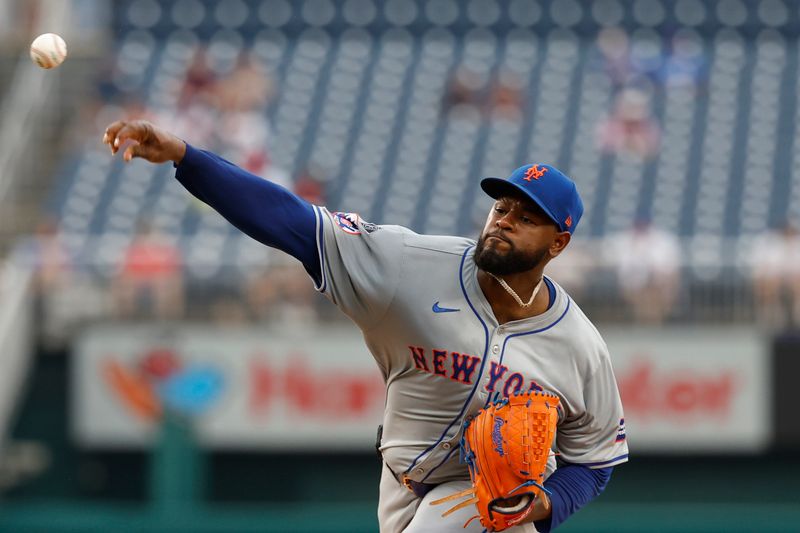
(348, 222)
(620, 431)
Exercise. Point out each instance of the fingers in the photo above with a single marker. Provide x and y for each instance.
(131, 152)
(143, 140)
(120, 131)
(136, 150)
(129, 131)
(111, 133)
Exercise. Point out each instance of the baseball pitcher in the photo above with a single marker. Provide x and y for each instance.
(502, 410)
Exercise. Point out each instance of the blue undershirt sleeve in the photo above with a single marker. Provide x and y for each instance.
(261, 209)
(572, 487)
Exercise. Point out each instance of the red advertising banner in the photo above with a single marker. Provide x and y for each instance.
(244, 388)
(684, 390)
(693, 389)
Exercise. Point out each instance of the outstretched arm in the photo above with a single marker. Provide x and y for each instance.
(263, 210)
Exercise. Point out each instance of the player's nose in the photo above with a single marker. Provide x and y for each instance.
(504, 222)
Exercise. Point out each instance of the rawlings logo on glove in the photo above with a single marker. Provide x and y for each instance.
(506, 447)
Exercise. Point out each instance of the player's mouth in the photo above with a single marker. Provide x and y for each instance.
(499, 238)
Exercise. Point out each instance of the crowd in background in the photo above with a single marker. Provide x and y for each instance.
(224, 107)
(641, 273)
(630, 128)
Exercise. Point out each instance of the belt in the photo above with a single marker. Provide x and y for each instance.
(417, 487)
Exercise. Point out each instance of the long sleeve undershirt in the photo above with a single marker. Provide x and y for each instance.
(261, 209)
(572, 487)
(278, 218)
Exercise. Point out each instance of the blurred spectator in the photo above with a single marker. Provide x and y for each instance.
(310, 186)
(282, 294)
(243, 132)
(647, 262)
(573, 268)
(48, 257)
(507, 95)
(776, 277)
(646, 56)
(57, 291)
(228, 311)
(464, 92)
(630, 128)
(195, 115)
(614, 55)
(686, 65)
(468, 91)
(134, 108)
(150, 277)
(224, 303)
(200, 81)
(630, 63)
(247, 87)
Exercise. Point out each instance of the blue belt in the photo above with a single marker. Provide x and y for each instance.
(418, 488)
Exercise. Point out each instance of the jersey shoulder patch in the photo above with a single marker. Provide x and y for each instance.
(347, 222)
(352, 223)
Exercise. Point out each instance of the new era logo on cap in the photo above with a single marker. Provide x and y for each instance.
(545, 185)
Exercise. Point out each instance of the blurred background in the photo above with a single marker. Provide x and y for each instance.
(159, 371)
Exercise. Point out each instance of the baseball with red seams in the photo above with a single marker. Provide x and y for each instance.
(48, 50)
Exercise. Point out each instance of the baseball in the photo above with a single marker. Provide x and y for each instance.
(48, 50)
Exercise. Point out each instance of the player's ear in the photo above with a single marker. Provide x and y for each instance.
(560, 241)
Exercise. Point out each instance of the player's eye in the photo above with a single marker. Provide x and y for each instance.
(527, 220)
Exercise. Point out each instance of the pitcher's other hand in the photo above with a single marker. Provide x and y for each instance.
(147, 141)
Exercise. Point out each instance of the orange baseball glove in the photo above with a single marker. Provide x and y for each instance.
(506, 447)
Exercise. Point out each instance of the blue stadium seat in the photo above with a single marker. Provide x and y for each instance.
(360, 91)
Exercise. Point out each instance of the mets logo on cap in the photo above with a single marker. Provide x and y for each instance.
(534, 172)
(545, 185)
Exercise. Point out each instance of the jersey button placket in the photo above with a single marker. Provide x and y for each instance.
(495, 351)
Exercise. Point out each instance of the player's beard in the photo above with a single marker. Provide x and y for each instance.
(503, 263)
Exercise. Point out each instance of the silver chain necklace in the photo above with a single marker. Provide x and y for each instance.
(510, 291)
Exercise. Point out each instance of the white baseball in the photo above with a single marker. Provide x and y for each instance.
(48, 50)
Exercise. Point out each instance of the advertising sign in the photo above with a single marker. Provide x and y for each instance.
(684, 390)
(693, 389)
(244, 388)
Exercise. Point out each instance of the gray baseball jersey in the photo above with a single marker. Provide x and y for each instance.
(443, 354)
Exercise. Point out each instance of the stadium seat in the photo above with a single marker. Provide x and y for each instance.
(361, 87)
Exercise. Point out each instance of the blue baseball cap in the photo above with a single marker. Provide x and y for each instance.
(547, 186)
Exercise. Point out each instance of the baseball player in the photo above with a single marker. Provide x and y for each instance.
(452, 323)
